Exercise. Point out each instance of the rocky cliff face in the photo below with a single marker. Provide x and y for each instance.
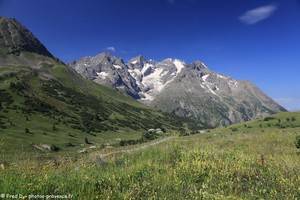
(19, 47)
(187, 90)
(15, 38)
(108, 70)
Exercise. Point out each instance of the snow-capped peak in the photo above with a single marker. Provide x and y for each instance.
(179, 65)
(134, 62)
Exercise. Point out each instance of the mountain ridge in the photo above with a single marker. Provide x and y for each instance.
(16, 38)
(194, 86)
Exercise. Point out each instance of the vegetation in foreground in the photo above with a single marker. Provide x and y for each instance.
(254, 160)
(54, 106)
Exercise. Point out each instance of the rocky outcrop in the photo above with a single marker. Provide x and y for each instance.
(15, 38)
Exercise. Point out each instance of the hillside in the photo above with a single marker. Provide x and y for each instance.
(43, 102)
(253, 160)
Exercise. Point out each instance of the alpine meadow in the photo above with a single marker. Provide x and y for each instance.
(109, 100)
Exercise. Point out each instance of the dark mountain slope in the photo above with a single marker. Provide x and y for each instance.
(15, 38)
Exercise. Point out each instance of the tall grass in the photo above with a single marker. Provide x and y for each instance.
(170, 172)
(220, 164)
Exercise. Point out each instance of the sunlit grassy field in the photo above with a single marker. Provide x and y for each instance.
(253, 160)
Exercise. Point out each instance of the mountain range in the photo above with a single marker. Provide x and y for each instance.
(188, 90)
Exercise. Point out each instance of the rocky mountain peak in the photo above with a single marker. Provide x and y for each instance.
(188, 90)
(107, 57)
(137, 60)
(199, 65)
(15, 38)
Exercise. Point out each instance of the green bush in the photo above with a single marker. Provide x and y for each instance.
(234, 129)
(27, 130)
(54, 148)
(297, 142)
(268, 119)
(86, 140)
(130, 142)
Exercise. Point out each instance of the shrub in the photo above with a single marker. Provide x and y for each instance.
(283, 126)
(297, 142)
(54, 148)
(184, 131)
(163, 129)
(86, 140)
(27, 130)
(293, 119)
(268, 118)
(70, 144)
(234, 129)
(130, 142)
(54, 127)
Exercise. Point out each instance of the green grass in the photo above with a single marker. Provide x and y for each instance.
(252, 160)
(53, 105)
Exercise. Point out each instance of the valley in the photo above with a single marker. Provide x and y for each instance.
(103, 128)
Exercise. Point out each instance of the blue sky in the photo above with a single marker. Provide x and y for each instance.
(254, 40)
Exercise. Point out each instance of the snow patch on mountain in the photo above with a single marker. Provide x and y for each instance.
(204, 78)
(117, 67)
(179, 65)
(134, 62)
(102, 75)
(154, 80)
(221, 76)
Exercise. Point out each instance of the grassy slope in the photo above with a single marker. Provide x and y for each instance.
(65, 109)
(253, 160)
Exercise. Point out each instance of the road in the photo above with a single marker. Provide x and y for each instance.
(136, 148)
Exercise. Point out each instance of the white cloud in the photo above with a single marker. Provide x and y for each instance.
(113, 49)
(258, 14)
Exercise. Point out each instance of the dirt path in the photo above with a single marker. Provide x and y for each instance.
(136, 148)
